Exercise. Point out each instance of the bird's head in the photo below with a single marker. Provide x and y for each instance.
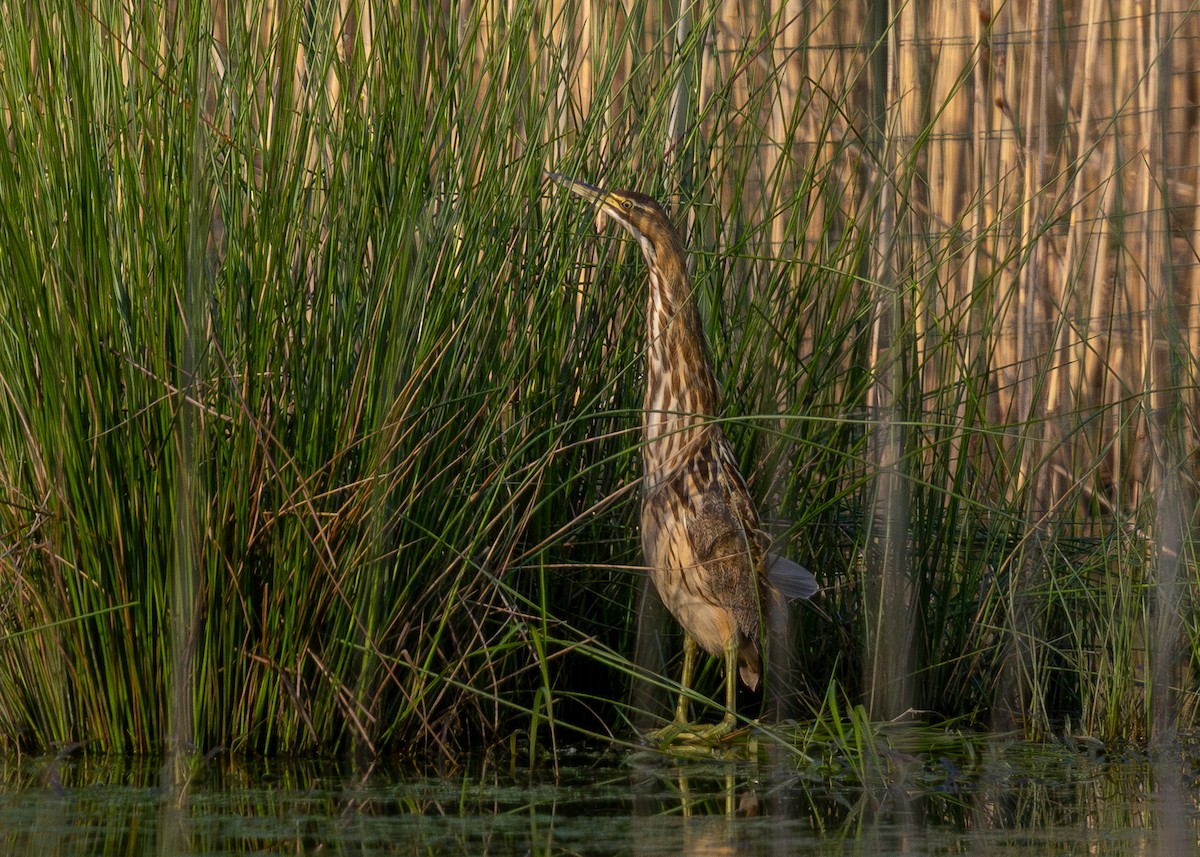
(642, 216)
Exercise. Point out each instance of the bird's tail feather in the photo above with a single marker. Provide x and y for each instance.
(790, 578)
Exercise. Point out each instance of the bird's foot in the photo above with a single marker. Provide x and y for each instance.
(693, 733)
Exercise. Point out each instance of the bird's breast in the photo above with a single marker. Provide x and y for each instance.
(677, 410)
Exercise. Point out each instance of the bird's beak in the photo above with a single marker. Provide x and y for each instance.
(592, 194)
(587, 191)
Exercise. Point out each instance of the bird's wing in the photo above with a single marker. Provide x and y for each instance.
(791, 579)
(722, 532)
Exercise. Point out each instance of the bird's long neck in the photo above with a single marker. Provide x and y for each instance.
(681, 391)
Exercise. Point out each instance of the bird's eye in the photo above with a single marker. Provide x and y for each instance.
(627, 204)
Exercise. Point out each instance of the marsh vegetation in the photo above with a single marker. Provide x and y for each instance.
(319, 416)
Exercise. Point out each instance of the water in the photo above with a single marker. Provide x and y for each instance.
(1012, 800)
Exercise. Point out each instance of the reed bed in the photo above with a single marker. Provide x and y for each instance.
(319, 411)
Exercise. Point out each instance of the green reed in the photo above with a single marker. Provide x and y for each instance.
(319, 412)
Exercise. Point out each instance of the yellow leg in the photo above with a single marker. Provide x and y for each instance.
(681, 729)
(680, 726)
(690, 649)
(718, 730)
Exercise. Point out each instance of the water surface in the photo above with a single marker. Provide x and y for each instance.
(997, 799)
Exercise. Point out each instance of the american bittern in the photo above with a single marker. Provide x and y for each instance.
(701, 537)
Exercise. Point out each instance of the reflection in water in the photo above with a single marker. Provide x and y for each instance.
(999, 799)
(173, 827)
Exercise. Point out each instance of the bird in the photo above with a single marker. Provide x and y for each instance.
(702, 542)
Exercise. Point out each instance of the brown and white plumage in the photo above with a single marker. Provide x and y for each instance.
(701, 536)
